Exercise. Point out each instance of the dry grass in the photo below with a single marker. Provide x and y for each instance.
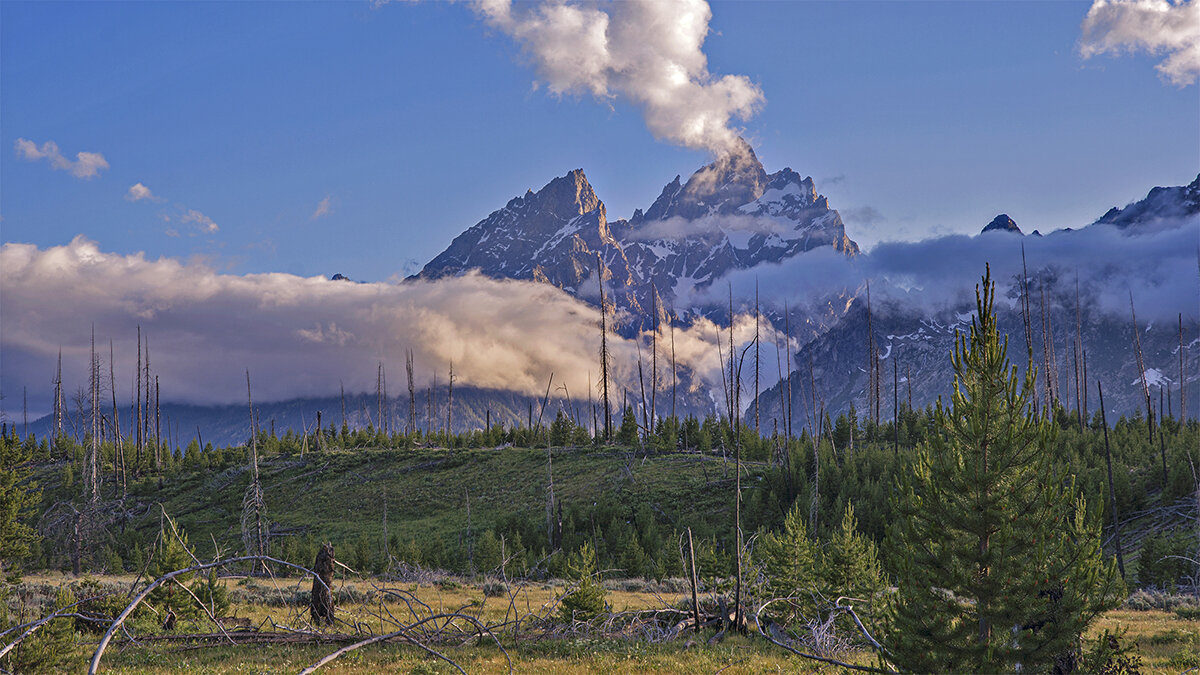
(1168, 644)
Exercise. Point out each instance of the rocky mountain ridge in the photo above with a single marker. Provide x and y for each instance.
(729, 215)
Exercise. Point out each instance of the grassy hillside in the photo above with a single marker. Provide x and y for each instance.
(345, 495)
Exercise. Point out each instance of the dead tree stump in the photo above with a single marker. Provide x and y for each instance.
(322, 597)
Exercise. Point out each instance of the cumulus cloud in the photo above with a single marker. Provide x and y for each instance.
(86, 165)
(1155, 26)
(137, 192)
(201, 222)
(323, 208)
(301, 336)
(649, 52)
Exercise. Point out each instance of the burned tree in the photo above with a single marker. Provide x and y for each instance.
(321, 604)
(254, 506)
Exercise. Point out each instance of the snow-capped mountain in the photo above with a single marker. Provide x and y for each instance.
(729, 215)
(1163, 207)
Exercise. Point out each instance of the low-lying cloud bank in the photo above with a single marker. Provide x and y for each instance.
(303, 336)
(1159, 268)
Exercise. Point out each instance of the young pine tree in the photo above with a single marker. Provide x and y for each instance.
(997, 564)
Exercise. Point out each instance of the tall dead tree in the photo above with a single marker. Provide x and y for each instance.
(1141, 366)
(1051, 394)
(342, 389)
(1027, 320)
(872, 366)
(158, 464)
(118, 444)
(757, 428)
(137, 377)
(654, 361)
(675, 381)
(146, 402)
(60, 404)
(642, 384)
(254, 506)
(91, 466)
(450, 403)
(604, 349)
(1182, 380)
(1112, 493)
(1076, 353)
(787, 352)
(412, 391)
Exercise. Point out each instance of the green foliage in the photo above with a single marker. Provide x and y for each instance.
(585, 602)
(627, 434)
(996, 561)
(850, 568)
(46, 649)
(788, 561)
(1164, 561)
(1107, 655)
(213, 594)
(487, 552)
(562, 430)
(17, 497)
(171, 554)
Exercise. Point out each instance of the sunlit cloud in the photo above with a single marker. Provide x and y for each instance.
(1155, 26)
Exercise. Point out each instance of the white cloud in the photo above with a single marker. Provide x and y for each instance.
(1154, 26)
(301, 336)
(1159, 268)
(137, 192)
(649, 52)
(201, 221)
(323, 208)
(86, 164)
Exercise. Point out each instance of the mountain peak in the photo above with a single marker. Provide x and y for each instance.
(733, 179)
(1002, 223)
(1163, 208)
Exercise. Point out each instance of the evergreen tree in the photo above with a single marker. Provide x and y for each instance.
(788, 562)
(997, 565)
(561, 430)
(628, 433)
(171, 554)
(17, 498)
(850, 568)
(586, 601)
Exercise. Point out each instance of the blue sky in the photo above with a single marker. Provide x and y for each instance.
(415, 121)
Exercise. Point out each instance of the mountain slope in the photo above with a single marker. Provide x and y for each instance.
(729, 215)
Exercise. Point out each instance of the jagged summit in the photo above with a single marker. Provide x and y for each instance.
(1163, 208)
(730, 214)
(1002, 223)
(548, 235)
(730, 181)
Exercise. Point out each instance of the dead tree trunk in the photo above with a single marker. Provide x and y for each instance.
(322, 599)
(1112, 493)
(1141, 365)
(604, 350)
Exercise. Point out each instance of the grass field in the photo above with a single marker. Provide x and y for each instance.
(1167, 643)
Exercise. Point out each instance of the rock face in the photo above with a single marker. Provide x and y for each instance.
(1002, 223)
(729, 215)
(552, 235)
(1163, 208)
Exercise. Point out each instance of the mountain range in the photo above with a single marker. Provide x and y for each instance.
(729, 216)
